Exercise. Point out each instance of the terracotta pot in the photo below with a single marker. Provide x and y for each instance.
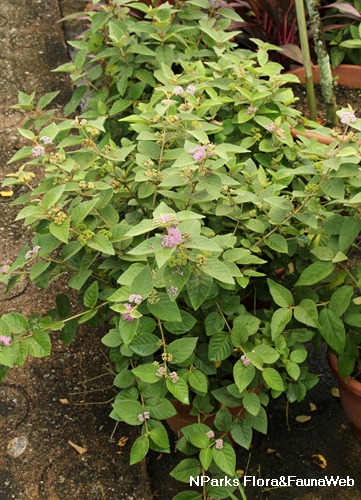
(350, 394)
(346, 75)
(183, 416)
(323, 139)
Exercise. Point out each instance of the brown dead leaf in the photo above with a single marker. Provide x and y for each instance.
(64, 401)
(313, 407)
(343, 427)
(122, 441)
(320, 461)
(303, 418)
(335, 392)
(79, 449)
(270, 451)
(240, 472)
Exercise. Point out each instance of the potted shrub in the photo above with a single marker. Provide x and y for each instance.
(212, 245)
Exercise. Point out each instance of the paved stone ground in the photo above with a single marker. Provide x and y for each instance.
(36, 460)
(34, 424)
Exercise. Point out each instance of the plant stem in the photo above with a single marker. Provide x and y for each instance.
(310, 90)
(327, 85)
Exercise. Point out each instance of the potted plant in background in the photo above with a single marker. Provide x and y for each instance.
(213, 245)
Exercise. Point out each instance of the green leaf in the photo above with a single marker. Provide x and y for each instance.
(139, 449)
(281, 295)
(315, 273)
(298, 355)
(52, 196)
(164, 309)
(350, 228)
(200, 439)
(112, 338)
(39, 344)
(323, 253)
(61, 232)
(277, 242)
(124, 379)
(268, 354)
(198, 288)
(128, 410)
(223, 419)
(293, 370)
(91, 295)
(340, 300)
(47, 99)
(205, 457)
(280, 318)
(220, 346)
(273, 379)
(218, 270)
(16, 322)
(198, 381)
(142, 284)
(181, 349)
(101, 243)
(259, 422)
(189, 467)
(306, 312)
(332, 330)
(162, 410)
(82, 210)
(159, 435)
(37, 269)
(147, 373)
(241, 432)
(243, 375)
(30, 211)
(225, 458)
(145, 344)
(252, 403)
(179, 390)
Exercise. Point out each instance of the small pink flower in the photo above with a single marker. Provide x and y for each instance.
(37, 151)
(161, 372)
(5, 340)
(191, 89)
(135, 299)
(245, 360)
(146, 415)
(128, 316)
(168, 102)
(178, 90)
(174, 377)
(4, 269)
(173, 290)
(347, 117)
(251, 110)
(173, 238)
(141, 417)
(219, 444)
(210, 434)
(32, 252)
(46, 140)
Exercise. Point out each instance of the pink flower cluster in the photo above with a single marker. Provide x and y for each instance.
(173, 238)
(245, 360)
(200, 153)
(278, 131)
(347, 117)
(127, 316)
(143, 416)
(164, 219)
(189, 90)
(219, 444)
(210, 434)
(32, 252)
(174, 377)
(4, 269)
(37, 151)
(135, 299)
(5, 340)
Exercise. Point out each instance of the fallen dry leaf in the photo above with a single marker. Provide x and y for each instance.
(335, 392)
(122, 441)
(270, 450)
(320, 461)
(343, 427)
(240, 472)
(64, 401)
(6, 194)
(303, 418)
(313, 407)
(79, 449)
